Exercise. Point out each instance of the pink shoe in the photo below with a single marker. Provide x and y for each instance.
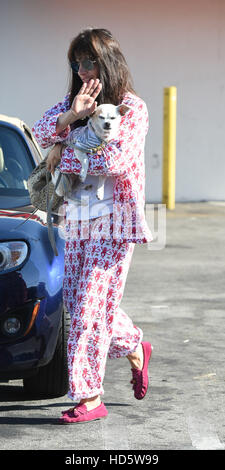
(140, 377)
(80, 414)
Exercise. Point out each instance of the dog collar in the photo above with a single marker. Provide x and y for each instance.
(99, 147)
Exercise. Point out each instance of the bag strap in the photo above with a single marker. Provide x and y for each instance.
(24, 221)
(51, 235)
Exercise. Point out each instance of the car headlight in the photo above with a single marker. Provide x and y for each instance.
(12, 254)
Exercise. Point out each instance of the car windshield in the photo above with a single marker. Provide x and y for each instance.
(16, 165)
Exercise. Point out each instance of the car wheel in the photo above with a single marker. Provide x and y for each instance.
(52, 379)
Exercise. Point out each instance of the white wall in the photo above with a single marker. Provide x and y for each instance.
(166, 42)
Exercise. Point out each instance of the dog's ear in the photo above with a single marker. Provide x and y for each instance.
(123, 109)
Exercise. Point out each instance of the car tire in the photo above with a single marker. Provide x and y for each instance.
(52, 379)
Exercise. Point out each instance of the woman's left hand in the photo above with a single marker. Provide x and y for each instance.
(54, 157)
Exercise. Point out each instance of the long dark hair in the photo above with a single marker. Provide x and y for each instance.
(99, 45)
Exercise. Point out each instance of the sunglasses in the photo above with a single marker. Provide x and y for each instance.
(87, 64)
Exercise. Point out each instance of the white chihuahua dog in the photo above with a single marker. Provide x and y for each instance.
(103, 126)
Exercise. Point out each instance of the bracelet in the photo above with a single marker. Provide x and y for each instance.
(81, 119)
(73, 112)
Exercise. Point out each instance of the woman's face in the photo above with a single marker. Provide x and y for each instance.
(85, 74)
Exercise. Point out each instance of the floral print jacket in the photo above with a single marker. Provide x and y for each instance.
(122, 158)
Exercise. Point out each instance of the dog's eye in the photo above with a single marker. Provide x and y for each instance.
(101, 117)
(113, 117)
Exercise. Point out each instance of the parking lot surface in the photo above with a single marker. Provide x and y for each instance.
(177, 296)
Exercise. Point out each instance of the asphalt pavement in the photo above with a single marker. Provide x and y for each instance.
(176, 294)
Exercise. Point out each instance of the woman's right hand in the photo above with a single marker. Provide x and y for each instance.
(83, 105)
(84, 102)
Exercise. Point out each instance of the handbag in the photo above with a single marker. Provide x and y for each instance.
(41, 189)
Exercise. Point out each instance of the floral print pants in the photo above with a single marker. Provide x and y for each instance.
(95, 273)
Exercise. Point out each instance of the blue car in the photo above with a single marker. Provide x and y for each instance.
(34, 323)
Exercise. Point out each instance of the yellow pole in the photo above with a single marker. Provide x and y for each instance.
(169, 146)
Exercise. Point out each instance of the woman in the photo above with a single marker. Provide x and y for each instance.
(96, 265)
